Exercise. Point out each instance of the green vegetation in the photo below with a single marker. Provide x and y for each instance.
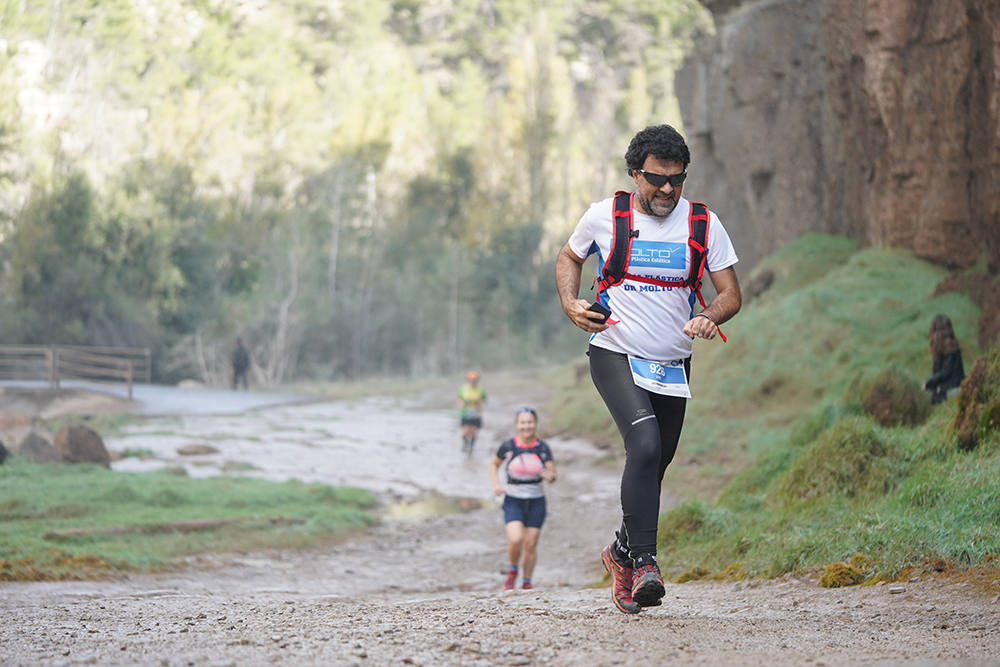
(80, 521)
(825, 473)
(356, 188)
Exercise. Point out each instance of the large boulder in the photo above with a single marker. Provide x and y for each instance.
(37, 448)
(78, 444)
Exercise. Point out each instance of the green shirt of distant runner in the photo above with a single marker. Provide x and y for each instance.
(471, 398)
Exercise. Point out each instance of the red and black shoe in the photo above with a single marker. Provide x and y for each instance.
(621, 581)
(508, 583)
(647, 584)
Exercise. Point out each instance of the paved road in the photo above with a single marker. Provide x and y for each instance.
(156, 399)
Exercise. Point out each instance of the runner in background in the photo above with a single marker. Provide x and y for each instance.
(529, 463)
(471, 398)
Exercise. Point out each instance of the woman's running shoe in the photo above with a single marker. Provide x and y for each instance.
(508, 584)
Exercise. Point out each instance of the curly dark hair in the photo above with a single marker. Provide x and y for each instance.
(662, 141)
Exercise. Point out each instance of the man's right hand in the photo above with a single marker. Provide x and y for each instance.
(568, 268)
(579, 311)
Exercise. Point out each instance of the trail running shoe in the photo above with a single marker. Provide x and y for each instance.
(647, 586)
(621, 582)
(526, 586)
(508, 584)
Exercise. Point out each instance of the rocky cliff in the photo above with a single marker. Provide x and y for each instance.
(877, 119)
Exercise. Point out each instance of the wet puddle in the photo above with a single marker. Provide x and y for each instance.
(435, 504)
(411, 458)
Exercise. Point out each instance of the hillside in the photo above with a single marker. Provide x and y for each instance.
(780, 467)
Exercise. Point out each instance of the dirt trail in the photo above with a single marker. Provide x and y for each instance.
(424, 590)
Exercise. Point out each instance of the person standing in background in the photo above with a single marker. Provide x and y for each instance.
(241, 364)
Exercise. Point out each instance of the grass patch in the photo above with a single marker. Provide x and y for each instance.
(38, 503)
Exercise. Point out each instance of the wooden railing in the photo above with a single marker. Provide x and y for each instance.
(53, 363)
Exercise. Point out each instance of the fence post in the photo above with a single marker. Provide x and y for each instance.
(55, 367)
(129, 376)
(50, 366)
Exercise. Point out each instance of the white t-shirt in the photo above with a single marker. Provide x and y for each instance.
(650, 318)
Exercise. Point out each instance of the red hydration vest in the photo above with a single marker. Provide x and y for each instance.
(615, 269)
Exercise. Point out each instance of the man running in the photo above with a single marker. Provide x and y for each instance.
(647, 338)
(470, 401)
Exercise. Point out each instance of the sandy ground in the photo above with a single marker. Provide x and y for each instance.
(424, 588)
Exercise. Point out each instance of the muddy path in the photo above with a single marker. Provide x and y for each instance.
(423, 588)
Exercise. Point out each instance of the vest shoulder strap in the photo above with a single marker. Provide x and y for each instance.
(615, 269)
(698, 221)
(622, 233)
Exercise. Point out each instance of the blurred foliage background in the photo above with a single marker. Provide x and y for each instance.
(354, 188)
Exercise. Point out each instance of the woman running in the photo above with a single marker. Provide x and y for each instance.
(529, 463)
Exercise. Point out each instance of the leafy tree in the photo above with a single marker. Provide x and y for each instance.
(354, 188)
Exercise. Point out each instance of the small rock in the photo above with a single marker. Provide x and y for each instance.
(913, 580)
(894, 590)
(196, 450)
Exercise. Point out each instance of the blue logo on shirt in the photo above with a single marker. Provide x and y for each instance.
(657, 255)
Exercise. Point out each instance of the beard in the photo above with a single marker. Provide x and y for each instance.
(659, 207)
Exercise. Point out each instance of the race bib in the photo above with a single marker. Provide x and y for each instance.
(667, 378)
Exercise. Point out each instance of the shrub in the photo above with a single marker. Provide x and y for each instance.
(892, 397)
(979, 401)
(850, 458)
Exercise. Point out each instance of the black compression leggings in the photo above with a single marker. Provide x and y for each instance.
(650, 425)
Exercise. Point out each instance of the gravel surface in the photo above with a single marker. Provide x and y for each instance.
(424, 588)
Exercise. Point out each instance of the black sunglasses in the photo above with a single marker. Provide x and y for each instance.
(530, 411)
(659, 180)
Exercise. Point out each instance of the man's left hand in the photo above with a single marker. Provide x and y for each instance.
(700, 327)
